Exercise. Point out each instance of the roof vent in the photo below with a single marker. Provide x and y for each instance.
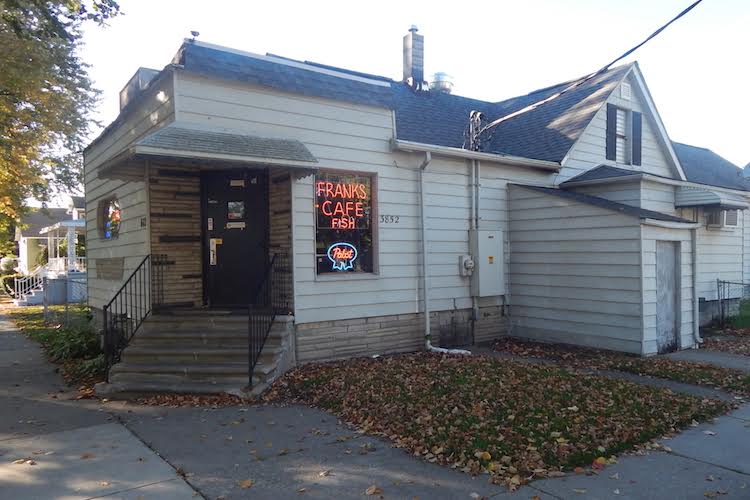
(136, 85)
(442, 82)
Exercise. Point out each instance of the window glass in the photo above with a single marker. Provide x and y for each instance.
(343, 208)
(111, 218)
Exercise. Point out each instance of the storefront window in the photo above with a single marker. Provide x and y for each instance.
(343, 206)
(111, 215)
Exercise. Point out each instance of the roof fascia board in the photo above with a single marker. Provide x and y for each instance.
(655, 178)
(663, 136)
(412, 147)
(671, 225)
(288, 62)
(589, 124)
(179, 153)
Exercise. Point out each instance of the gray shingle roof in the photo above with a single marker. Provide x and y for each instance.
(546, 133)
(429, 117)
(37, 218)
(606, 204)
(204, 141)
(703, 166)
(602, 172)
(215, 62)
(78, 201)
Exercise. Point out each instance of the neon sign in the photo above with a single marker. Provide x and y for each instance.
(342, 255)
(341, 204)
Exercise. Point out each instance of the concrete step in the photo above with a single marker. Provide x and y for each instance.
(193, 353)
(143, 375)
(127, 388)
(181, 339)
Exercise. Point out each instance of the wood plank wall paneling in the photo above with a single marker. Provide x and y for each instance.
(280, 226)
(176, 229)
(176, 232)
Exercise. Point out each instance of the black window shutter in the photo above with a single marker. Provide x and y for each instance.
(637, 127)
(611, 132)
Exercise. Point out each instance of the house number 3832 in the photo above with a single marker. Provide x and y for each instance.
(389, 219)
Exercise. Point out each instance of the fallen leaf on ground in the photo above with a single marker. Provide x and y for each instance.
(245, 483)
(325, 473)
(373, 490)
(86, 456)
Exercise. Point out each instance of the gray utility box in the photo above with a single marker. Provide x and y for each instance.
(488, 278)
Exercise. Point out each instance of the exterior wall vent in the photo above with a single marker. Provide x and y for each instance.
(626, 91)
(137, 84)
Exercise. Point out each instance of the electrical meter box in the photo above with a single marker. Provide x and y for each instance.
(488, 278)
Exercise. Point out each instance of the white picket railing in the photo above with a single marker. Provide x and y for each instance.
(27, 284)
(60, 264)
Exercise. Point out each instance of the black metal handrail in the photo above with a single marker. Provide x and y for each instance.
(129, 307)
(271, 299)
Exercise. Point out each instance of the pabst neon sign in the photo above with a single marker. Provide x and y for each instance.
(342, 255)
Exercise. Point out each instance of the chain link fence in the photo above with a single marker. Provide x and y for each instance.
(734, 299)
(65, 301)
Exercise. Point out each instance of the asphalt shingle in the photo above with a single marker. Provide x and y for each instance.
(606, 204)
(703, 166)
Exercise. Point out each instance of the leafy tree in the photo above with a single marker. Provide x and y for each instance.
(46, 98)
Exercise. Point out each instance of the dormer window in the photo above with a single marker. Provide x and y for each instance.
(623, 135)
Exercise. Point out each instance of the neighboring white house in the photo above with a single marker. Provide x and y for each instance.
(578, 222)
(48, 228)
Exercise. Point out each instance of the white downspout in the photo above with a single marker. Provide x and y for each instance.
(425, 274)
(696, 314)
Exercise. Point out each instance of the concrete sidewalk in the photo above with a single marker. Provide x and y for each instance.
(718, 358)
(53, 446)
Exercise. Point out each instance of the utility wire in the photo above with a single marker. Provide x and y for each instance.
(475, 132)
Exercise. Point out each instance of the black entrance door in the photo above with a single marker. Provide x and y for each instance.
(235, 228)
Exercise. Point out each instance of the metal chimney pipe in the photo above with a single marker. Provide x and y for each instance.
(414, 58)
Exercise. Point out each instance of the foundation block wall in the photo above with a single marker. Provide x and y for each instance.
(328, 340)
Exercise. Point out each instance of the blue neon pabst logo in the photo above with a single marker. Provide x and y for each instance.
(342, 255)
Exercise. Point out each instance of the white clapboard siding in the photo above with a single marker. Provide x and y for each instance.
(658, 197)
(356, 138)
(589, 151)
(652, 234)
(745, 218)
(574, 279)
(720, 256)
(155, 110)
(628, 193)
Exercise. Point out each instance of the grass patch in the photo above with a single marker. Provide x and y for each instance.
(733, 381)
(75, 348)
(742, 320)
(480, 414)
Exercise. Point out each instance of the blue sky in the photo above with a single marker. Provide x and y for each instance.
(697, 69)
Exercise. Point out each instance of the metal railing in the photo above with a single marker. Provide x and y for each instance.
(127, 310)
(271, 299)
(27, 284)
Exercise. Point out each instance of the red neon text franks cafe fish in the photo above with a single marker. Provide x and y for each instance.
(343, 213)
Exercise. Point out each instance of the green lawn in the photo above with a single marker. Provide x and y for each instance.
(478, 414)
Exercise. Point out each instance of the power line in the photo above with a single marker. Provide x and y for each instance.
(476, 130)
